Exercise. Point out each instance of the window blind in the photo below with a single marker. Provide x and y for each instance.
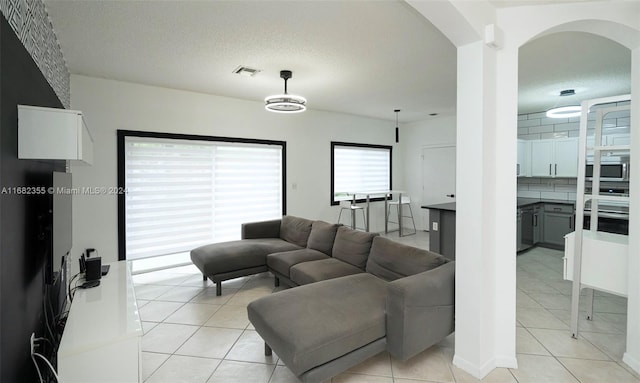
(360, 169)
(185, 193)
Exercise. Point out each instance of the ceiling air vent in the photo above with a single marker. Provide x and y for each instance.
(245, 71)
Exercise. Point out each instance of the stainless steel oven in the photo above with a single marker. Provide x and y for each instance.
(613, 217)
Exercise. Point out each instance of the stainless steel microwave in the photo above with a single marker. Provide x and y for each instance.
(610, 172)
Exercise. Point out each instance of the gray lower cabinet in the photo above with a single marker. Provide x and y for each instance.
(557, 222)
(519, 246)
(538, 215)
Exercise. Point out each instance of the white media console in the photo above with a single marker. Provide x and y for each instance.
(101, 340)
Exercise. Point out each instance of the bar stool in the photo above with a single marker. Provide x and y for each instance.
(353, 208)
(406, 201)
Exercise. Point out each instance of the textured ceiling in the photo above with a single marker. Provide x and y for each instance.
(591, 65)
(360, 57)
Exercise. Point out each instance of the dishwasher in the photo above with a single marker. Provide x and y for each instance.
(525, 228)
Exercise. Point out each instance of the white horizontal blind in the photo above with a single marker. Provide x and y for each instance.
(185, 193)
(360, 169)
(247, 187)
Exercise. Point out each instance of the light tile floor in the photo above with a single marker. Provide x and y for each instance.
(191, 335)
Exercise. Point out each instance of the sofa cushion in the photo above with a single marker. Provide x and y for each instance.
(295, 230)
(322, 236)
(356, 319)
(391, 260)
(352, 246)
(314, 271)
(282, 262)
(218, 258)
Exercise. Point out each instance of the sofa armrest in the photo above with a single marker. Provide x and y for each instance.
(262, 229)
(420, 310)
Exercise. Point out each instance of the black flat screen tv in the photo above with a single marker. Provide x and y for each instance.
(61, 228)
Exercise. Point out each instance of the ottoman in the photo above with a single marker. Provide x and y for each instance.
(227, 260)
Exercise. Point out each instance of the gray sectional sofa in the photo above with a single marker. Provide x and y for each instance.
(356, 294)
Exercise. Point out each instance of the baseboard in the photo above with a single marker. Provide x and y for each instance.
(507, 362)
(631, 362)
(477, 372)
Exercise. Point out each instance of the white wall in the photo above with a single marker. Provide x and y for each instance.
(111, 105)
(413, 138)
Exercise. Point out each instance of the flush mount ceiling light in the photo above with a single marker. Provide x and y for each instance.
(285, 103)
(565, 111)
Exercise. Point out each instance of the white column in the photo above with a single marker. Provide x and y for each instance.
(632, 354)
(486, 209)
(505, 192)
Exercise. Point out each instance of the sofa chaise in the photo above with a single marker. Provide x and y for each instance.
(356, 294)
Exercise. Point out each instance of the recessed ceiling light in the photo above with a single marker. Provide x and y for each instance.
(246, 71)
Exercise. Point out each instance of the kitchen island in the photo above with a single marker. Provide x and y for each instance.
(546, 225)
(442, 229)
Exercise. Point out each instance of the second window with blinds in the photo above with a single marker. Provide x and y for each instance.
(358, 168)
(184, 191)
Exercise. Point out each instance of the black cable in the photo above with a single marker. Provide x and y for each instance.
(46, 311)
(69, 288)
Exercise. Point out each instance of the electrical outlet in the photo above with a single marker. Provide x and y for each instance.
(33, 343)
(434, 226)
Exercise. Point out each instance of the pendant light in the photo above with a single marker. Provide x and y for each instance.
(285, 103)
(397, 129)
(567, 110)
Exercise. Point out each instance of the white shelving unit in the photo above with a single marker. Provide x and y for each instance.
(53, 134)
(101, 341)
(595, 260)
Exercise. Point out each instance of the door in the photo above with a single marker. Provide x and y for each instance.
(526, 228)
(566, 157)
(523, 168)
(438, 176)
(541, 158)
(555, 227)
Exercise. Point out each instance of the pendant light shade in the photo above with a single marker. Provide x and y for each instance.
(397, 128)
(285, 103)
(565, 111)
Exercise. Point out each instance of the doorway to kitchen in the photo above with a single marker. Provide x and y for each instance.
(544, 293)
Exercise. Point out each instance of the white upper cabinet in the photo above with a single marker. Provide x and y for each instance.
(523, 168)
(554, 158)
(53, 134)
(610, 140)
(566, 157)
(542, 158)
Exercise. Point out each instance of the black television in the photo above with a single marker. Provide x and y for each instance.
(61, 227)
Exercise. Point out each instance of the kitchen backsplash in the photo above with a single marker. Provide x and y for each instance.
(536, 126)
(559, 188)
(547, 188)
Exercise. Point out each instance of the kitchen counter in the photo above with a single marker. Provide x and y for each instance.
(442, 223)
(521, 202)
(450, 206)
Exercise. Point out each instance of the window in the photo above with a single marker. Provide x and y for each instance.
(186, 191)
(358, 168)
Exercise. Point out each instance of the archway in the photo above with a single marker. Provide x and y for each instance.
(487, 111)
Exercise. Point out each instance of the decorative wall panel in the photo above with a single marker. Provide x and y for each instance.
(31, 23)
